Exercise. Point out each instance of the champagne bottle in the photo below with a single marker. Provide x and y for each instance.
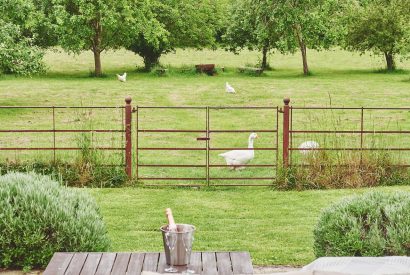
(172, 227)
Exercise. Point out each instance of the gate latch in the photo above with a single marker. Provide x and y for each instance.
(202, 138)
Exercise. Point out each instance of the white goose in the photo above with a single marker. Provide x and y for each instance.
(308, 145)
(240, 157)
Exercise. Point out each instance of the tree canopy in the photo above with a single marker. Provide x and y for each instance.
(380, 26)
(18, 53)
(283, 25)
(176, 24)
(251, 26)
(96, 25)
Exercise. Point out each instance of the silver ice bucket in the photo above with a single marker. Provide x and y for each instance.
(178, 243)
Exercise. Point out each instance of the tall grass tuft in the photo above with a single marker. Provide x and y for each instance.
(350, 170)
(89, 168)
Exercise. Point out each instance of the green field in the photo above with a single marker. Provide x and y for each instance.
(275, 227)
(340, 78)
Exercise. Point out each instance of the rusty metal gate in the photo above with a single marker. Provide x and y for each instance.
(204, 134)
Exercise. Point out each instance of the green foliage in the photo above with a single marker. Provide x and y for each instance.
(39, 217)
(78, 174)
(282, 25)
(175, 24)
(380, 26)
(33, 18)
(17, 54)
(252, 26)
(94, 25)
(374, 224)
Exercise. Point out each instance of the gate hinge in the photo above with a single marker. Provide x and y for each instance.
(280, 110)
(202, 138)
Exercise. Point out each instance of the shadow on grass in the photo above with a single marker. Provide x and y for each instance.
(189, 71)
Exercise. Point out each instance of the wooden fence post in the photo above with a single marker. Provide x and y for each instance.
(285, 141)
(128, 143)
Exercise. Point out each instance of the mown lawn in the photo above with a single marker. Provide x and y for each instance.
(275, 227)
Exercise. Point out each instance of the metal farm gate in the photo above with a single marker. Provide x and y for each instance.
(179, 145)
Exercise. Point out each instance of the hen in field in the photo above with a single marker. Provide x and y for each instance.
(308, 145)
(122, 78)
(229, 89)
(237, 158)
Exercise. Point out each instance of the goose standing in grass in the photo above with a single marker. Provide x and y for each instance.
(240, 157)
(229, 89)
(122, 78)
(308, 145)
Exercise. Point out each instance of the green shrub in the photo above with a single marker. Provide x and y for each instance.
(17, 54)
(373, 224)
(79, 174)
(39, 217)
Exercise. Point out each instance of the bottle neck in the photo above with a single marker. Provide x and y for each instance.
(171, 222)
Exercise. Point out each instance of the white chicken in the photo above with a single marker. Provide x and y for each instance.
(236, 158)
(229, 89)
(122, 78)
(308, 145)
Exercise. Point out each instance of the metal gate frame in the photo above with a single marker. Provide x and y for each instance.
(289, 131)
(207, 138)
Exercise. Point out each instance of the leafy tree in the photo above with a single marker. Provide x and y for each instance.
(251, 26)
(33, 19)
(305, 24)
(175, 24)
(96, 25)
(17, 54)
(380, 26)
(22, 31)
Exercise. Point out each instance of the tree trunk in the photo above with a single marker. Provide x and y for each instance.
(264, 58)
(391, 66)
(97, 63)
(302, 47)
(96, 47)
(304, 58)
(151, 60)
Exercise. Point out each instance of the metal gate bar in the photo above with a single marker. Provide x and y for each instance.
(362, 132)
(138, 148)
(207, 131)
(275, 130)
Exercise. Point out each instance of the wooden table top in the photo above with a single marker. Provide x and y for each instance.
(93, 263)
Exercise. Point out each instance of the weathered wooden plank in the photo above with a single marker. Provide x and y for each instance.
(162, 263)
(91, 263)
(241, 263)
(209, 263)
(223, 263)
(135, 264)
(58, 263)
(196, 262)
(76, 264)
(150, 262)
(106, 263)
(121, 264)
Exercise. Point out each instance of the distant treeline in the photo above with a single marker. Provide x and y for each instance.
(151, 28)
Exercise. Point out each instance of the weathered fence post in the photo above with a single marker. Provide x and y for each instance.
(285, 141)
(128, 143)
